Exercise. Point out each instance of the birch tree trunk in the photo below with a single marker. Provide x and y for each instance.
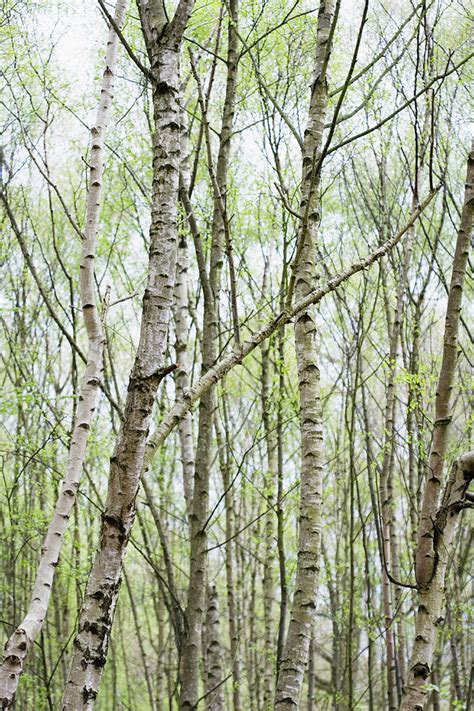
(430, 610)
(181, 320)
(295, 654)
(389, 546)
(234, 632)
(185, 427)
(189, 666)
(214, 656)
(386, 494)
(19, 644)
(268, 565)
(96, 618)
(438, 522)
(426, 554)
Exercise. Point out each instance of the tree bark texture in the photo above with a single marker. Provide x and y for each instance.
(185, 427)
(96, 617)
(214, 654)
(430, 613)
(438, 521)
(19, 644)
(295, 654)
(426, 555)
(235, 357)
(191, 651)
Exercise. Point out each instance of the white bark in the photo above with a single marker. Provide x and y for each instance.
(190, 653)
(214, 654)
(185, 427)
(425, 554)
(268, 564)
(295, 654)
(20, 642)
(95, 622)
(235, 357)
(230, 556)
(438, 522)
(430, 612)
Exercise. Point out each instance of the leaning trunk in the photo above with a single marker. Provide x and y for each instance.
(430, 610)
(96, 617)
(438, 522)
(20, 642)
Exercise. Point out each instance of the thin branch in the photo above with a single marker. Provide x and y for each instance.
(229, 361)
(122, 39)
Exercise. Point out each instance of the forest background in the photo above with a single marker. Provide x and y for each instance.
(236, 355)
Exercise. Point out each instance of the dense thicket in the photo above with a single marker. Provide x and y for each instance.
(236, 355)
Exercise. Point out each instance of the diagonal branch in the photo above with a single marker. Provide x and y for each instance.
(229, 361)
